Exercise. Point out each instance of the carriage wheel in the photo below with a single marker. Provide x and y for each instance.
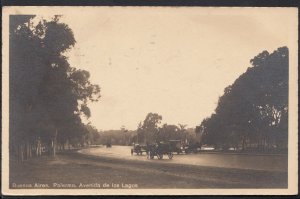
(160, 156)
(150, 156)
(170, 155)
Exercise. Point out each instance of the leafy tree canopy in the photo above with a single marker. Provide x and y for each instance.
(48, 97)
(254, 108)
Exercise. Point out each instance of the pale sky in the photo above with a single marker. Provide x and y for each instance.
(172, 61)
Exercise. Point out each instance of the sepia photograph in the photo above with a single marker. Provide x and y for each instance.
(149, 100)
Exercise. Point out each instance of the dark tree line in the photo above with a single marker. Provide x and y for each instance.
(47, 96)
(253, 112)
(116, 137)
(150, 131)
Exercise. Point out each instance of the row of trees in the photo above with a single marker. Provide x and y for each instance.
(48, 97)
(253, 112)
(117, 137)
(151, 130)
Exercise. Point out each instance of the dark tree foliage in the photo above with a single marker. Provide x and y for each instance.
(170, 132)
(253, 111)
(47, 95)
(148, 130)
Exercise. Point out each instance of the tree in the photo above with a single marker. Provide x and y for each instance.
(170, 132)
(93, 136)
(26, 72)
(253, 110)
(149, 129)
(48, 97)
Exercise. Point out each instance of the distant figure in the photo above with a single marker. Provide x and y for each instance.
(108, 145)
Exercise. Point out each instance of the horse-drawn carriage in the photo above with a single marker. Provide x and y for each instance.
(159, 149)
(139, 149)
(108, 145)
(176, 146)
(192, 148)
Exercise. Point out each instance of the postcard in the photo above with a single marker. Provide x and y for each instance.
(149, 100)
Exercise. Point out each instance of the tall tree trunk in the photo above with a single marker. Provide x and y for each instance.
(30, 151)
(53, 147)
(243, 144)
(27, 149)
(21, 153)
(38, 147)
(54, 143)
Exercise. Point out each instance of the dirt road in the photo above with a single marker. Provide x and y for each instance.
(88, 171)
(253, 162)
